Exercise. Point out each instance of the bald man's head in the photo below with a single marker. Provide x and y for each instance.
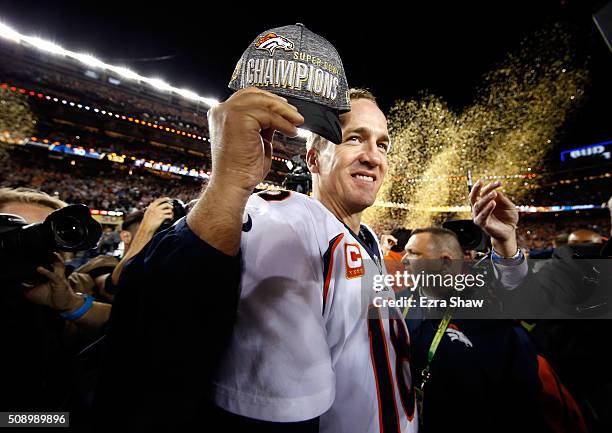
(584, 236)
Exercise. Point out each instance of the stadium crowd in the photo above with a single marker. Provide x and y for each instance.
(111, 189)
(118, 190)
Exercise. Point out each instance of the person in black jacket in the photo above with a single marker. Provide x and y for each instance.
(44, 324)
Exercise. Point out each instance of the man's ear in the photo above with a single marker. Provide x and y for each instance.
(447, 262)
(312, 160)
(126, 236)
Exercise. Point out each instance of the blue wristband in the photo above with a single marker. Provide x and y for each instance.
(79, 312)
(517, 258)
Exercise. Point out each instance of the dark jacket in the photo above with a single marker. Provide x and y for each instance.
(171, 321)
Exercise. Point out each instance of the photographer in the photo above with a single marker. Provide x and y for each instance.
(39, 320)
(137, 230)
(140, 230)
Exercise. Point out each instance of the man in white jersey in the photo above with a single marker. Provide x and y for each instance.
(308, 349)
(302, 346)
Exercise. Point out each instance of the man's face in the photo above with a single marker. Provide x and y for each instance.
(128, 235)
(419, 256)
(32, 213)
(539, 242)
(352, 172)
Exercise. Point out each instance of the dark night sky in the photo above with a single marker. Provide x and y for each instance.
(442, 49)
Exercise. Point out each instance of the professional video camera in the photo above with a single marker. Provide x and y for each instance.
(24, 247)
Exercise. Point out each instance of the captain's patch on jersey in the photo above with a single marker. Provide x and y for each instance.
(353, 260)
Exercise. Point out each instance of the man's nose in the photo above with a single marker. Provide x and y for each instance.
(370, 154)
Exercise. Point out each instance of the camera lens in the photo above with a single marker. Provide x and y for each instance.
(69, 232)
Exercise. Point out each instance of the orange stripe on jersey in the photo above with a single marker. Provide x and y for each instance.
(328, 265)
(560, 409)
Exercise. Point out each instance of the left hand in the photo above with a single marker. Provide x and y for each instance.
(56, 292)
(494, 213)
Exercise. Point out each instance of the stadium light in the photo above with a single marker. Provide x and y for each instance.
(160, 84)
(188, 94)
(9, 33)
(125, 72)
(88, 60)
(45, 45)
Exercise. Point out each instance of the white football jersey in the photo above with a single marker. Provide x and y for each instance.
(303, 346)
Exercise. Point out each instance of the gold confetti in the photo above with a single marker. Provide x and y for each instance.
(16, 120)
(505, 134)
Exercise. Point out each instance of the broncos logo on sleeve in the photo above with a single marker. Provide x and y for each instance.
(272, 41)
(454, 334)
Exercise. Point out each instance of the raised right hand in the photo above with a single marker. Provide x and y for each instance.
(241, 130)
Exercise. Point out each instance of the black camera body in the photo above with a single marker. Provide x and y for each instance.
(471, 237)
(24, 247)
(299, 178)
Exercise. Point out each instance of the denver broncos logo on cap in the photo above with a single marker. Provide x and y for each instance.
(272, 41)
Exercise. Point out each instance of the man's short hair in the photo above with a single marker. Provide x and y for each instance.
(132, 219)
(356, 93)
(443, 239)
(29, 196)
(316, 141)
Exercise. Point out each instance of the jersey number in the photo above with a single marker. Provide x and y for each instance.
(385, 384)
